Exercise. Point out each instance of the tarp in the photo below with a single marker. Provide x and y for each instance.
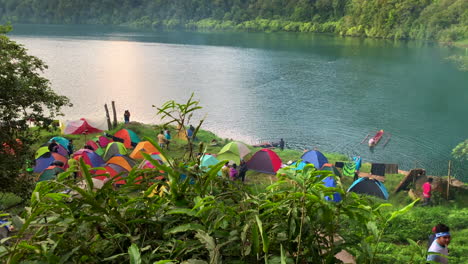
(114, 148)
(357, 161)
(315, 157)
(349, 168)
(370, 187)
(207, 161)
(378, 169)
(233, 151)
(266, 161)
(46, 160)
(50, 173)
(130, 138)
(142, 147)
(123, 161)
(78, 127)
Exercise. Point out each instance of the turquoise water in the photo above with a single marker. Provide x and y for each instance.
(315, 91)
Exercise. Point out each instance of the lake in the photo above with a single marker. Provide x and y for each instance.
(313, 90)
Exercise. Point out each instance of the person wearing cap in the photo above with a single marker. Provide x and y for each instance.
(440, 245)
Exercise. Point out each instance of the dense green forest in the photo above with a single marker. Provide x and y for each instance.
(441, 20)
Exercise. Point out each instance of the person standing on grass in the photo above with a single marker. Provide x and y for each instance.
(427, 191)
(233, 172)
(127, 116)
(167, 134)
(161, 139)
(242, 170)
(440, 245)
(225, 170)
(281, 144)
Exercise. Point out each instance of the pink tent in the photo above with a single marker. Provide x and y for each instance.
(79, 127)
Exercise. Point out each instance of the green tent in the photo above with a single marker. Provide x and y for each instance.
(41, 151)
(50, 173)
(234, 152)
(114, 148)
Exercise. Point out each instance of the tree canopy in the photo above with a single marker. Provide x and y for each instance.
(25, 98)
(445, 20)
(461, 150)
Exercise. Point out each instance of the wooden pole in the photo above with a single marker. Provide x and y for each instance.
(115, 114)
(448, 182)
(109, 125)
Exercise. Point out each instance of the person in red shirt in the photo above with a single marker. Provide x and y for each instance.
(427, 191)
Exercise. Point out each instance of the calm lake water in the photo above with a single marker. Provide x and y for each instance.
(312, 90)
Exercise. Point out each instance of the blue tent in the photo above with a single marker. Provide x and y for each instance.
(369, 187)
(315, 157)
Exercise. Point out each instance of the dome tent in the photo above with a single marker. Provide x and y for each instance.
(143, 147)
(233, 151)
(114, 148)
(129, 137)
(315, 157)
(370, 187)
(266, 161)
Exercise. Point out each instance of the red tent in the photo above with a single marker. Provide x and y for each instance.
(79, 127)
(266, 161)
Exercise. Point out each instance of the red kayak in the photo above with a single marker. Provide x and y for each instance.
(375, 139)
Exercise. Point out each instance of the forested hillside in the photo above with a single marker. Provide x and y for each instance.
(442, 20)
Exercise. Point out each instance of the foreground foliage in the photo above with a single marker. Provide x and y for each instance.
(202, 217)
(25, 96)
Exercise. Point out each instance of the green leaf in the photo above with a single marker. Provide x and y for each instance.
(165, 261)
(185, 228)
(185, 211)
(115, 257)
(402, 211)
(283, 255)
(134, 252)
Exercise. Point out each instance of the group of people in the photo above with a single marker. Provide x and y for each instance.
(164, 138)
(233, 172)
(127, 116)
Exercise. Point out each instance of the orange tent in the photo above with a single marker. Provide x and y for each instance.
(143, 146)
(123, 161)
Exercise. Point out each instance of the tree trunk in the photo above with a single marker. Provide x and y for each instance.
(115, 114)
(109, 125)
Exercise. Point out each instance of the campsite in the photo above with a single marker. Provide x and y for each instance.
(233, 147)
(148, 181)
